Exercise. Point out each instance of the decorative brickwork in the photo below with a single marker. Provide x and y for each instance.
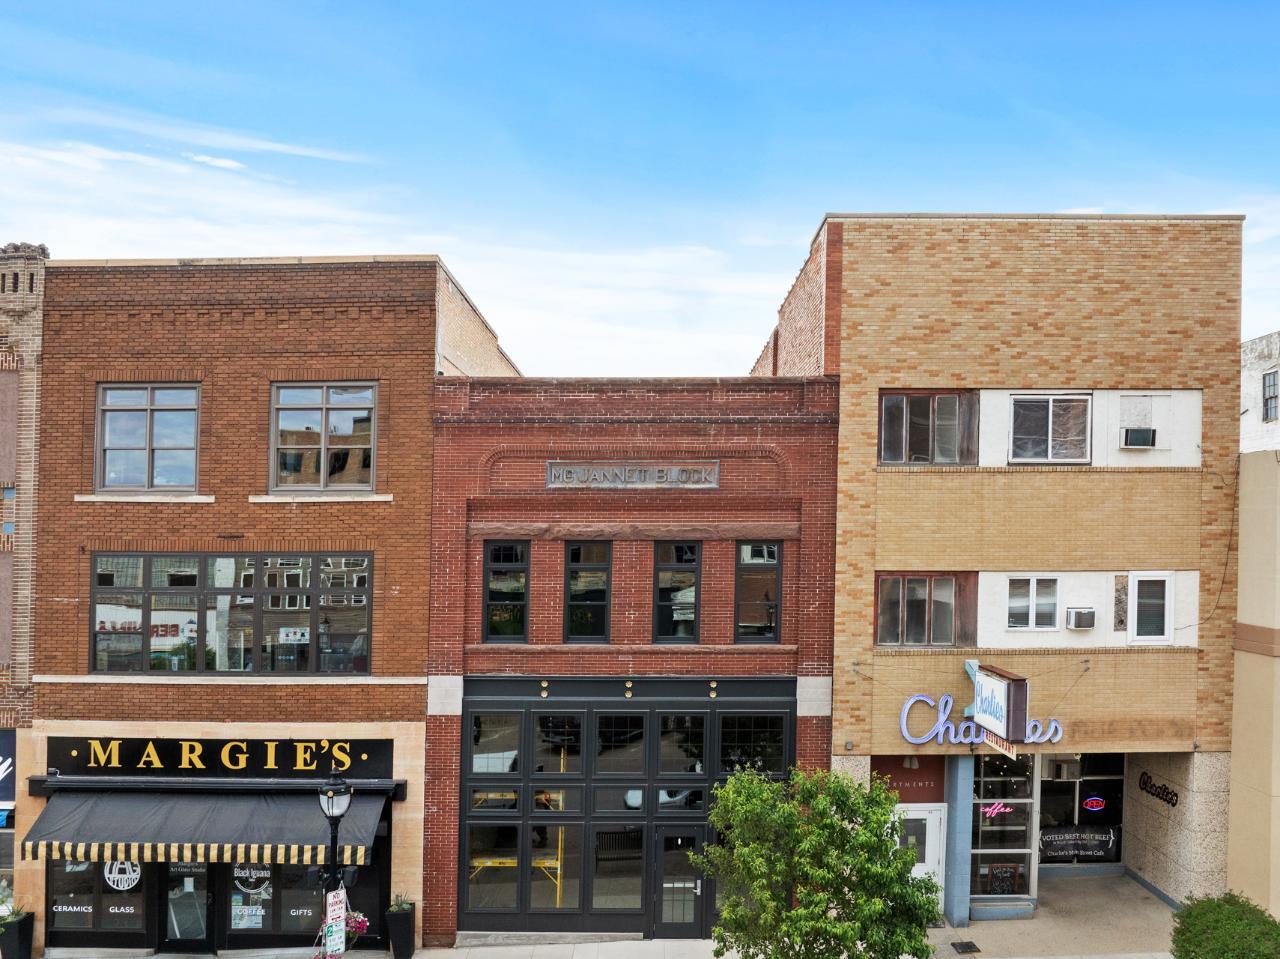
(775, 443)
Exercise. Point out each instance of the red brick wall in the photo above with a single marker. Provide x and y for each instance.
(235, 328)
(775, 441)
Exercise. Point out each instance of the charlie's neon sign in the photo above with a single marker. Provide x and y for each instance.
(966, 732)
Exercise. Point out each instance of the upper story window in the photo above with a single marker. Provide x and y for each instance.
(506, 591)
(926, 609)
(677, 567)
(1270, 396)
(1033, 602)
(147, 437)
(757, 593)
(1151, 607)
(586, 592)
(200, 612)
(929, 427)
(1050, 429)
(323, 436)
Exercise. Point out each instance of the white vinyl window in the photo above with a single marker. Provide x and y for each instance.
(1151, 608)
(1050, 429)
(1033, 602)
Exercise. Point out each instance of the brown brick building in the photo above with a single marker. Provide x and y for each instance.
(629, 596)
(1038, 435)
(236, 510)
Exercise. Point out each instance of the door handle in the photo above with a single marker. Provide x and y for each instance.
(697, 888)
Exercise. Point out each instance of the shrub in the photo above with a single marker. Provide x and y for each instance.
(810, 868)
(1226, 927)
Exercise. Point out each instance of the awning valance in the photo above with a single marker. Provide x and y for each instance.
(200, 827)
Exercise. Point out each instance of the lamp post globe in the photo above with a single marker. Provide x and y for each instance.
(335, 800)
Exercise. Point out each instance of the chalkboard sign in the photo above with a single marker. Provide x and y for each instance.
(1002, 878)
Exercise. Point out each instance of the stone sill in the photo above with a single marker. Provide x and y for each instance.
(181, 679)
(142, 498)
(324, 498)
(651, 648)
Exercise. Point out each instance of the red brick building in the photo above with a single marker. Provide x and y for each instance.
(630, 595)
(231, 596)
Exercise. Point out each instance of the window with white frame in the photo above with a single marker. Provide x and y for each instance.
(1050, 429)
(1033, 602)
(1151, 607)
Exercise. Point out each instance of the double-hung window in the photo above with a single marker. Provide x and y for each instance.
(928, 427)
(506, 592)
(1033, 602)
(323, 436)
(147, 437)
(1151, 608)
(1050, 429)
(181, 613)
(925, 609)
(677, 567)
(586, 592)
(758, 593)
(1270, 396)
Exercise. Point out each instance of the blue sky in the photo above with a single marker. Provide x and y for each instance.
(623, 189)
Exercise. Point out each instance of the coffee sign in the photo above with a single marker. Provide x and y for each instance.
(221, 758)
(689, 474)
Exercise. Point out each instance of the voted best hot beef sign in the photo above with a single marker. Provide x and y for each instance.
(997, 716)
(220, 758)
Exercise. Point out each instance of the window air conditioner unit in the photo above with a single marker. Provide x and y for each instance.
(1080, 618)
(1137, 438)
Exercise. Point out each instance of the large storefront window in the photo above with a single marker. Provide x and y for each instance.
(1081, 807)
(566, 800)
(103, 897)
(233, 613)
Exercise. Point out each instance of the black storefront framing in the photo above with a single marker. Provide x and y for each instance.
(202, 845)
(581, 798)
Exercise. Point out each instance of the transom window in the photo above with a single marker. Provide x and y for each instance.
(1270, 396)
(323, 435)
(921, 427)
(1151, 607)
(1033, 602)
(920, 610)
(1050, 429)
(147, 437)
(677, 568)
(758, 593)
(506, 592)
(586, 592)
(203, 612)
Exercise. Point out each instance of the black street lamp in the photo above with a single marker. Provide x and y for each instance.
(335, 800)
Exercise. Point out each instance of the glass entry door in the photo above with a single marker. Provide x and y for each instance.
(923, 831)
(187, 902)
(680, 910)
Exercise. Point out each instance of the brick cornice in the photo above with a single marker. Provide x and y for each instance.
(623, 530)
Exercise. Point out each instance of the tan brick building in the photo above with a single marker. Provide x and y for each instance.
(1037, 466)
(21, 285)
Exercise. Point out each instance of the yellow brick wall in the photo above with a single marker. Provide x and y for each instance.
(1031, 302)
(1015, 519)
(468, 346)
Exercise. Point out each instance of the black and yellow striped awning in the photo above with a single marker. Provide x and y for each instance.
(267, 828)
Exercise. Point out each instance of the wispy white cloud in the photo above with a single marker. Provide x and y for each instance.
(222, 163)
(560, 309)
(192, 134)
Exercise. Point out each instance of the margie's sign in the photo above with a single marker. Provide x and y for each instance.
(221, 758)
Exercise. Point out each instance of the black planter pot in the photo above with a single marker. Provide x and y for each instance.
(399, 933)
(15, 941)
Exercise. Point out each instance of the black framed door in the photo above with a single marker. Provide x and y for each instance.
(186, 907)
(680, 891)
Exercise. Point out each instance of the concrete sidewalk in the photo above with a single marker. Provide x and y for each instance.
(683, 949)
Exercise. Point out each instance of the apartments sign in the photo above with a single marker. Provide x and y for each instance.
(699, 474)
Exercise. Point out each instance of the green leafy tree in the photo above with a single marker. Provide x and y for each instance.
(810, 868)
